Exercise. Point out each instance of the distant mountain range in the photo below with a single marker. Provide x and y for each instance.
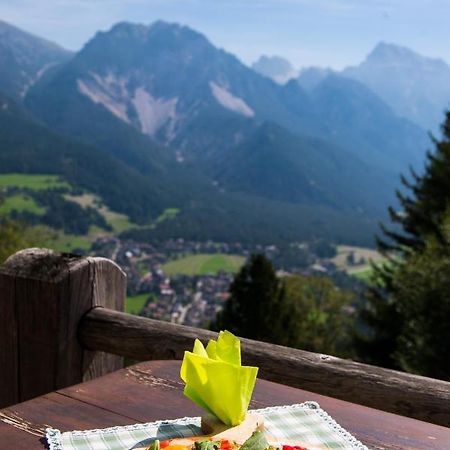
(189, 126)
(416, 87)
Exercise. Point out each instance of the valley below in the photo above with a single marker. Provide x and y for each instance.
(177, 280)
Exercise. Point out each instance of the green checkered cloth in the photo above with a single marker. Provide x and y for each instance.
(305, 424)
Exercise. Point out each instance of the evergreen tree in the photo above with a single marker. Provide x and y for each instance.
(425, 206)
(255, 306)
(401, 312)
(300, 312)
(422, 297)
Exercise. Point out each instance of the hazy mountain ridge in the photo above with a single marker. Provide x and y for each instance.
(358, 120)
(277, 68)
(24, 58)
(310, 77)
(304, 170)
(415, 86)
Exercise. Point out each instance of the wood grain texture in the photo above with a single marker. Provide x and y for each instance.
(109, 291)
(47, 294)
(9, 356)
(23, 426)
(401, 393)
(153, 391)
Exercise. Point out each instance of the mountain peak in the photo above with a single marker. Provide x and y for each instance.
(127, 28)
(10, 34)
(162, 25)
(387, 53)
(415, 86)
(275, 67)
(161, 33)
(25, 58)
(140, 47)
(175, 31)
(135, 29)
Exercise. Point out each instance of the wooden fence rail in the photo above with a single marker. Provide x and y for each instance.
(401, 393)
(61, 321)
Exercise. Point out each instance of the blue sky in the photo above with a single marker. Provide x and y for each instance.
(333, 33)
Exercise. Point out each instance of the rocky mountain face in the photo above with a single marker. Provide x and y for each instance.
(170, 83)
(24, 58)
(416, 87)
(167, 83)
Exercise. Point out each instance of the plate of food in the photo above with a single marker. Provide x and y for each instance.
(249, 435)
(218, 383)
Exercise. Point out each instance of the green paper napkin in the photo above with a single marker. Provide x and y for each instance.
(215, 379)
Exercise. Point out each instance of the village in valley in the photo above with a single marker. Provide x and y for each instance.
(188, 282)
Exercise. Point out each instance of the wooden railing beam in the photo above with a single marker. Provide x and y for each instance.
(397, 392)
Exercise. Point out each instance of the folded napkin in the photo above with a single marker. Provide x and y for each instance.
(215, 379)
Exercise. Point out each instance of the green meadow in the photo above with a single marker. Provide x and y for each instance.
(203, 264)
(36, 182)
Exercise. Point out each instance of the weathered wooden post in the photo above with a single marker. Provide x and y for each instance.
(43, 296)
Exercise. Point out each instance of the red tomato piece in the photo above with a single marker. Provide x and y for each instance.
(288, 447)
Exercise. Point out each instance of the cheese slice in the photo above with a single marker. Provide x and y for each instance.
(217, 430)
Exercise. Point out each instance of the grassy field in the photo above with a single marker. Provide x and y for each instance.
(58, 240)
(360, 253)
(363, 274)
(119, 222)
(203, 264)
(134, 304)
(20, 202)
(167, 214)
(47, 237)
(361, 256)
(37, 182)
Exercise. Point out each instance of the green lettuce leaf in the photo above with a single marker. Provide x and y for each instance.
(257, 441)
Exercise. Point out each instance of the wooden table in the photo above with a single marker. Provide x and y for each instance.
(153, 391)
